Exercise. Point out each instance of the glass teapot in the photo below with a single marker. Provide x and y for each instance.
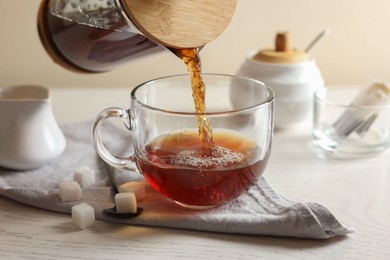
(99, 35)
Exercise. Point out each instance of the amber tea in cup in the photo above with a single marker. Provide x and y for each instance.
(167, 147)
(174, 165)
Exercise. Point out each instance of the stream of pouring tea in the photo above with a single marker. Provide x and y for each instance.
(192, 61)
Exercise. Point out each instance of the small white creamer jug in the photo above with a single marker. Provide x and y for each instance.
(29, 133)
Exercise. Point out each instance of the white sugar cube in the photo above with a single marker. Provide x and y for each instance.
(136, 187)
(84, 176)
(125, 202)
(83, 215)
(69, 191)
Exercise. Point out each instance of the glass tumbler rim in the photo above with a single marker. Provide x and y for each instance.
(320, 96)
(270, 95)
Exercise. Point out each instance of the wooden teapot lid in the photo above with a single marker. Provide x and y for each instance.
(283, 52)
(180, 23)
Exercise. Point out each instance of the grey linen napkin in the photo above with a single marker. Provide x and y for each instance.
(262, 211)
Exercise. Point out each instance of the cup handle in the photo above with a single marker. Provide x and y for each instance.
(117, 162)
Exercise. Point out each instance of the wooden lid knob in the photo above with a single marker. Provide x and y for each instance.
(180, 23)
(283, 52)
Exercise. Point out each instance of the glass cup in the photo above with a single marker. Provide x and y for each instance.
(343, 129)
(166, 143)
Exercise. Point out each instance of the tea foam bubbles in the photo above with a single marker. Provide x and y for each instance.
(220, 157)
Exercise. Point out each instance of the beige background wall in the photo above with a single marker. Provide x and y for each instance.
(357, 50)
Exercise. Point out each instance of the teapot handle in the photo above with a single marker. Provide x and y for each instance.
(115, 161)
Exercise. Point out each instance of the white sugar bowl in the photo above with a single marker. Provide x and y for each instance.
(292, 75)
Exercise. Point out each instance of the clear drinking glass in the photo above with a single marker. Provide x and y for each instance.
(345, 129)
(166, 144)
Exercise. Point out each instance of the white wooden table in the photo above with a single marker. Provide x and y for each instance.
(356, 191)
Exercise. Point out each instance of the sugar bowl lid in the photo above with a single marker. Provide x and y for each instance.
(283, 52)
